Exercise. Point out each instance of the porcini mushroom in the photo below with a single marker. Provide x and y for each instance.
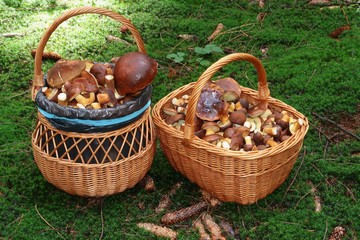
(99, 71)
(257, 109)
(237, 117)
(85, 100)
(133, 72)
(210, 106)
(210, 128)
(63, 71)
(231, 88)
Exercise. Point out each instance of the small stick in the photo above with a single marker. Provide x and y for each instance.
(337, 125)
(112, 38)
(8, 35)
(297, 171)
(48, 222)
(102, 219)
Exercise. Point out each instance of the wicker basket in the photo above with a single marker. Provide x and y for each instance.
(92, 164)
(231, 176)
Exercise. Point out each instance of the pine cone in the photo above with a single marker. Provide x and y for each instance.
(338, 233)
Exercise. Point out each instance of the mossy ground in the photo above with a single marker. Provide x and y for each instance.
(305, 67)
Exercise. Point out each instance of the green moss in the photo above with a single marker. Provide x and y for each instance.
(305, 69)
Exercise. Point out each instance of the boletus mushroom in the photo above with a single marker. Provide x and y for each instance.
(133, 72)
(64, 71)
(232, 90)
(210, 106)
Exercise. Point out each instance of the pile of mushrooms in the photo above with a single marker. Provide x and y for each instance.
(226, 119)
(84, 84)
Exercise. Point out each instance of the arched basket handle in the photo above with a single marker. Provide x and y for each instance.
(263, 90)
(38, 80)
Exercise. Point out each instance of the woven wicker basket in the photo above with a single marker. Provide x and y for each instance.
(92, 164)
(231, 176)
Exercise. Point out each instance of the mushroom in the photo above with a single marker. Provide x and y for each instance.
(169, 111)
(84, 99)
(107, 94)
(86, 84)
(51, 93)
(212, 138)
(210, 106)
(95, 105)
(257, 110)
(244, 103)
(237, 117)
(64, 71)
(99, 71)
(295, 125)
(62, 99)
(109, 82)
(133, 72)
(173, 119)
(237, 142)
(232, 90)
(229, 132)
(210, 128)
(224, 122)
(258, 138)
(248, 146)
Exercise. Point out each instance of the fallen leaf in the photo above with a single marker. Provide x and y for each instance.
(336, 33)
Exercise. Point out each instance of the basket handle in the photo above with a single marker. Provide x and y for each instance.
(263, 90)
(38, 80)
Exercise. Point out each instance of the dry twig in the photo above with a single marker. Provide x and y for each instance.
(296, 173)
(336, 125)
(112, 38)
(36, 209)
(9, 35)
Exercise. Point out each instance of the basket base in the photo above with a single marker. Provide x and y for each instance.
(95, 164)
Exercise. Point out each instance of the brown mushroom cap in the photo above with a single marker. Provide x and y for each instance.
(237, 142)
(237, 117)
(99, 71)
(64, 71)
(210, 106)
(133, 72)
(229, 84)
(257, 110)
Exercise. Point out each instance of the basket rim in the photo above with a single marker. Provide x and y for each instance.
(246, 156)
